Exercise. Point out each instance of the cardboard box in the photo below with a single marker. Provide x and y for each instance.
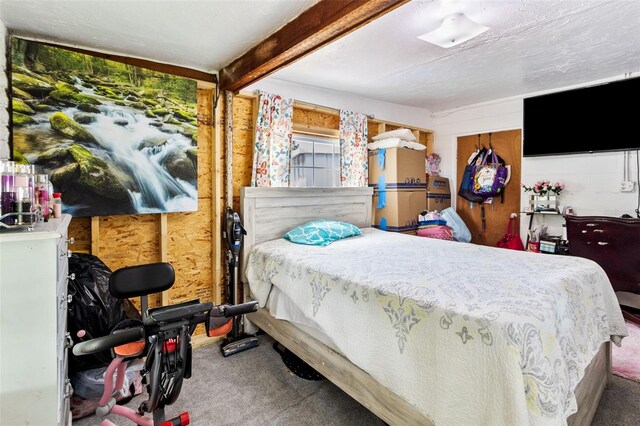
(404, 169)
(438, 201)
(438, 185)
(401, 210)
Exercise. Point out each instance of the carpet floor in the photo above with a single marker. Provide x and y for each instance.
(255, 388)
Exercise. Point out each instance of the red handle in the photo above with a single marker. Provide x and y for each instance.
(513, 223)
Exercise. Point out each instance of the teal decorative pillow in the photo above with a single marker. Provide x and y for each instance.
(321, 232)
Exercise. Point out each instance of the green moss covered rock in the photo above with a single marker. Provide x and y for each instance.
(95, 176)
(88, 108)
(18, 93)
(61, 85)
(84, 117)
(149, 113)
(153, 141)
(70, 98)
(183, 115)
(192, 153)
(67, 127)
(65, 174)
(160, 111)
(31, 85)
(44, 108)
(169, 128)
(18, 105)
(54, 157)
(180, 166)
(22, 119)
(19, 158)
(86, 99)
(188, 131)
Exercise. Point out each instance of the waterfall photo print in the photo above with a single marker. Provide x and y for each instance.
(113, 138)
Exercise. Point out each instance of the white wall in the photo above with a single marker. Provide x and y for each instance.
(4, 101)
(592, 180)
(387, 111)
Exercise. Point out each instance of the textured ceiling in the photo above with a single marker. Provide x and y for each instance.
(531, 46)
(200, 34)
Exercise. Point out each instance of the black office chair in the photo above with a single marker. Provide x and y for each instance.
(164, 335)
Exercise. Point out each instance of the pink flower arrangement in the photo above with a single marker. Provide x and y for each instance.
(544, 187)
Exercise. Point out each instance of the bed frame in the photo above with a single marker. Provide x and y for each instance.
(270, 212)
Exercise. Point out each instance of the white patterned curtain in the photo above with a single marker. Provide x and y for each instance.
(353, 149)
(272, 151)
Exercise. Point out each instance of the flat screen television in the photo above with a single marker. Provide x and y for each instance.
(591, 119)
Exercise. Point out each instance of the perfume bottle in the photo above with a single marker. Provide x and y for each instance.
(24, 195)
(57, 205)
(7, 190)
(42, 191)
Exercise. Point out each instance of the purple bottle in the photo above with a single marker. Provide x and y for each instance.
(7, 191)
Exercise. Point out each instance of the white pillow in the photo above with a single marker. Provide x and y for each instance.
(385, 143)
(405, 134)
(413, 145)
(395, 143)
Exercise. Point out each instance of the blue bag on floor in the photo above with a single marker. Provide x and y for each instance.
(454, 221)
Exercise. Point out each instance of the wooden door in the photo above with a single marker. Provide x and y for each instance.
(508, 146)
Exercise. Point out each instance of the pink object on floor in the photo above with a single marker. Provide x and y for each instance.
(626, 359)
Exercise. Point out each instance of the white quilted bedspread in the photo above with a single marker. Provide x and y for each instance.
(468, 334)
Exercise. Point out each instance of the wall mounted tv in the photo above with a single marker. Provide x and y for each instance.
(591, 119)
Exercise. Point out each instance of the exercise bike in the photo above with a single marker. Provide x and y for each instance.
(163, 335)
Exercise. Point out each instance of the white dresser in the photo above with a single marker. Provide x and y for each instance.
(34, 387)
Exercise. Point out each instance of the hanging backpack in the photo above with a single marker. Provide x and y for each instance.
(489, 178)
(466, 184)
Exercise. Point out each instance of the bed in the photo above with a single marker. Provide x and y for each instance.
(425, 331)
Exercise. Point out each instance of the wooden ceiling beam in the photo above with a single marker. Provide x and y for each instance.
(314, 28)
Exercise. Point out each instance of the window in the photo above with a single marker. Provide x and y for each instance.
(315, 161)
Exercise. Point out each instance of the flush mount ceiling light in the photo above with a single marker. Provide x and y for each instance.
(455, 29)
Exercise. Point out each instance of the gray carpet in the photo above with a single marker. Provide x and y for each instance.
(255, 388)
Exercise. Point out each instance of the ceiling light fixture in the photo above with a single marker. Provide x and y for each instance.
(455, 29)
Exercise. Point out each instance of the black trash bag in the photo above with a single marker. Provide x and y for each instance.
(93, 308)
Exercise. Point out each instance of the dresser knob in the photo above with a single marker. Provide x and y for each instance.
(72, 276)
(68, 389)
(71, 240)
(68, 340)
(69, 298)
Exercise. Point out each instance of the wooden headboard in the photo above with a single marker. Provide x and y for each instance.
(268, 213)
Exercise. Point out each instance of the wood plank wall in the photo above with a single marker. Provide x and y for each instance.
(190, 243)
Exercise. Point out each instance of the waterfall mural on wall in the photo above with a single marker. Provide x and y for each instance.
(114, 138)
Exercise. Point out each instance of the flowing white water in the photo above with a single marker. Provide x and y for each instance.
(157, 188)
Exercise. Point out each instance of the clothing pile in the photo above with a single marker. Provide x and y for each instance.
(431, 225)
(400, 138)
(446, 225)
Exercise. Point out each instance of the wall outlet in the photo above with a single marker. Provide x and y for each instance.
(626, 186)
